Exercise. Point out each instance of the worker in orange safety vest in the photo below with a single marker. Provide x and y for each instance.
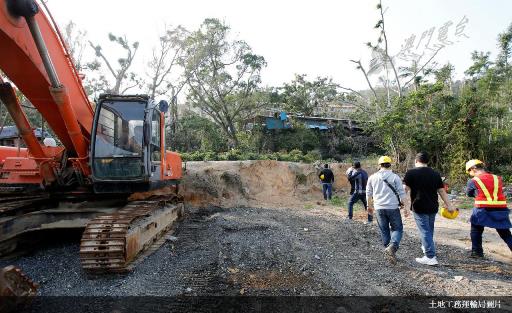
(490, 206)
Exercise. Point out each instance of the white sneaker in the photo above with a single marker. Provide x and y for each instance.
(427, 261)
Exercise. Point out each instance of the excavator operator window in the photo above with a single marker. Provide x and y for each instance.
(155, 137)
(118, 151)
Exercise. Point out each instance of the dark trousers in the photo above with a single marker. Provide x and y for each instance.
(353, 199)
(327, 191)
(476, 238)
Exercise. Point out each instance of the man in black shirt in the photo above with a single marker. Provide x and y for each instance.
(327, 178)
(425, 184)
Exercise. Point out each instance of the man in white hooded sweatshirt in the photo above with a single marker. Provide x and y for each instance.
(384, 192)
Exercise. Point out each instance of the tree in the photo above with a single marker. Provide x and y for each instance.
(306, 97)
(223, 76)
(198, 133)
(122, 74)
(75, 42)
(383, 59)
(481, 64)
(166, 72)
(165, 61)
(505, 45)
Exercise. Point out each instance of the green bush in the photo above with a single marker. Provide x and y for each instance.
(238, 155)
(312, 156)
(336, 201)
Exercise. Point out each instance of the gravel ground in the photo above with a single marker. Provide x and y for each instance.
(256, 251)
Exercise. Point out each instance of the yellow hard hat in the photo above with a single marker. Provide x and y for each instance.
(322, 176)
(471, 163)
(384, 159)
(448, 214)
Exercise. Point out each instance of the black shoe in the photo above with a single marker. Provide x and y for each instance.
(476, 255)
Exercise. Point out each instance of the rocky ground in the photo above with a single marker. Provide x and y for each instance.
(258, 251)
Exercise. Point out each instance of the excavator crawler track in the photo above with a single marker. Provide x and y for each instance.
(111, 242)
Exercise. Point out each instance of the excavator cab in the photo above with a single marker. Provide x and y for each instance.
(128, 145)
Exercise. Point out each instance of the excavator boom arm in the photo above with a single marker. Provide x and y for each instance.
(22, 60)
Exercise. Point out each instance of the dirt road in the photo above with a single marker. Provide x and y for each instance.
(256, 251)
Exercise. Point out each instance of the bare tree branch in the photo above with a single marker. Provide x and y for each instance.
(360, 66)
(421, 69)
(386, 50)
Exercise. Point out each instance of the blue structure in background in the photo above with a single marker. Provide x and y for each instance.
(280, 121)
(276, 120)
(317, 125)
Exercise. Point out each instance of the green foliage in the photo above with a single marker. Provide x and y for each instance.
(303, 96)
(198, 133)
(455, 124)
(238, 155)
(223, 76)
(336, 201)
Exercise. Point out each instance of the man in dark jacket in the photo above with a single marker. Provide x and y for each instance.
(327, 178)
(358, 179)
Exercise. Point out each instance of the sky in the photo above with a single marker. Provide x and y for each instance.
(317, 38)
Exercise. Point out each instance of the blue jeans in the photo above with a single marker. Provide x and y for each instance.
(425, 223)
(387, 218)
(353, 199)
(327, 191)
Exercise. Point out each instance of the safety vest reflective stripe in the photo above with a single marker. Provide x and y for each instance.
(484, 189)
(496, 186)
(490, 200)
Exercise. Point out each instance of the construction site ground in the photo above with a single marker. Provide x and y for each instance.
(262, 228)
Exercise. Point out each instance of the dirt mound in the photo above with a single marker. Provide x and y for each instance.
(265, 183)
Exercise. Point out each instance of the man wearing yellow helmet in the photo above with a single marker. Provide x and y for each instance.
(384, 191)
(490, 208)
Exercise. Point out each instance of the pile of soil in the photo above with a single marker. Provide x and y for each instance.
(268, 183)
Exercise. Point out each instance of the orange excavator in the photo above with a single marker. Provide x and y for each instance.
(107, 154)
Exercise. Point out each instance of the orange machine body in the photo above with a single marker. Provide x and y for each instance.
(56, 91)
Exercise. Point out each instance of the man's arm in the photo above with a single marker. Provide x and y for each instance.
(399, 187)
(353, 175)
(369, 196)
(407, 198)
(369, 200)
(446, 201)
(471, 190)
(403, 196)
